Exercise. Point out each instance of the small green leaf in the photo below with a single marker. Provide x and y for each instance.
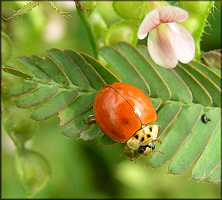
(125, 70)
(91, 74)
(20, 88)
(215, 177)
(78, 106)
(156, 102)
(106, 75)
(167, 113)
(199, 93)
(27, 8)
(77, 125)
(210, 158)
(186, 121)
(35, 69)
(90, 133)
(51, 69)
(35, 97)
(70, 68)
(17, 72)
(54, 105)
(106, 141)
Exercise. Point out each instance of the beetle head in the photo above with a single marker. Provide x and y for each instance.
(143, 139)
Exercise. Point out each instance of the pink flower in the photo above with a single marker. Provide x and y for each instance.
(167, 42)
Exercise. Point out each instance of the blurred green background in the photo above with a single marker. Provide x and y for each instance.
(85, 169)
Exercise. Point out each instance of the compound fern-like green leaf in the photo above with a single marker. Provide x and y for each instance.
(66, 82)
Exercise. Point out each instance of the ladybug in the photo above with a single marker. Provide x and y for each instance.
(123, 112)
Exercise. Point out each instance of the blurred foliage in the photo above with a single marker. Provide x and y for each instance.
(82, 169)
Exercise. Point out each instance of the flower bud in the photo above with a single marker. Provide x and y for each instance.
(33, 171)
(19, 125)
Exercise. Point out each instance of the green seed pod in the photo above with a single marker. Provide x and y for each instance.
(19, 126)
(6, 48)
(87, 6)
(33, 171)
(97, 24)
(105, 8)
(125, 30)
(129, 9)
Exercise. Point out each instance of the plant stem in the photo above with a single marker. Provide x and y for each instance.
(88, 29)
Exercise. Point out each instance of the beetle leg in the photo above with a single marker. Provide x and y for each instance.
(157, 151)
(127, 150)
(158, 140)
(137, 157)
(89, 120)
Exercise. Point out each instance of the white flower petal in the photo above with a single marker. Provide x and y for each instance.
(150, 22)
(182, 42)
(161, 50)
(168, 14)
(163, 14)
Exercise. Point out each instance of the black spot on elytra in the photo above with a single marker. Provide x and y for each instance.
(125, 121)
(136, 136)
(151, 129)
(148, 135)
(142, 139)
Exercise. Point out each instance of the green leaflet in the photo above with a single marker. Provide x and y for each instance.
(17, 72)
(106, 75)
(35, 97)
(90, 133)
(210, 158)
(51, 69)
(54, 105)
(70, 68)
(127, 72)
(215, 177)
(107, 141)
(20, 88)
(91, 74)
(35, 69)
(167, 113)
(78, 106)
(77, 125)
(27, 8)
